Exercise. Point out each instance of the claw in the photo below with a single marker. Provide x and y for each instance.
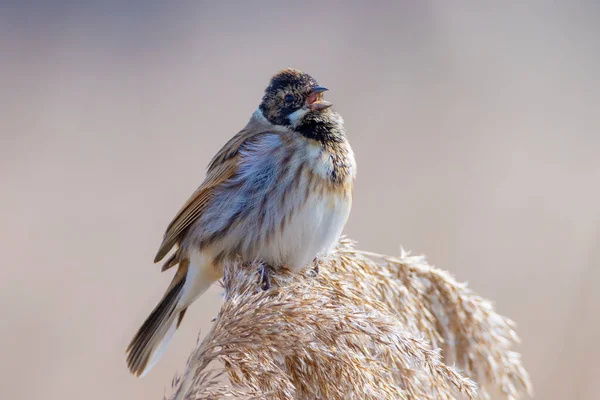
(264, 278)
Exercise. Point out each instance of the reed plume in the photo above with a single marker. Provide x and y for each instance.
(365, 326)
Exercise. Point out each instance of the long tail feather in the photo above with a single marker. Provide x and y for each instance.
(152, 338)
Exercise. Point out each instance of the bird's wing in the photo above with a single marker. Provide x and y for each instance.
(223, 167)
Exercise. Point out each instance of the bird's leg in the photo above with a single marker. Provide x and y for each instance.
(265, 281)
(315, 267)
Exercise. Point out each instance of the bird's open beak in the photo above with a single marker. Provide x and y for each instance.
(315, 101)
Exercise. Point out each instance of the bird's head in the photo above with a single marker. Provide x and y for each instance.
(292, 97)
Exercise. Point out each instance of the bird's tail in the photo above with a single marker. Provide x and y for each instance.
(152, 338)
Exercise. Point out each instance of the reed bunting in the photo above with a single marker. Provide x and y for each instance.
(279, 191)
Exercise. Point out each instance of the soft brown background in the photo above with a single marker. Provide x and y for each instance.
(476, 129)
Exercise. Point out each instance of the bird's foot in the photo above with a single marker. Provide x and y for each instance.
(265, 280)
(315, 268)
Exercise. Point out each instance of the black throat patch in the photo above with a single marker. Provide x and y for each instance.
(329, 132)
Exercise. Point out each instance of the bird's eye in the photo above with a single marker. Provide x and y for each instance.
(288, 98)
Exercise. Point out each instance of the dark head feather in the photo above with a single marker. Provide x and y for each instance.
(285, 94)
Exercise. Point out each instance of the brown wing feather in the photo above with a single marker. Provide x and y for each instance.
(222, 167)
(231, 148)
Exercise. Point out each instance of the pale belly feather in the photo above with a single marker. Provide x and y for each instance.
(312, 231)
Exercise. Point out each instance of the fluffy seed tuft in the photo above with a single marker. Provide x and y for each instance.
(366, 327)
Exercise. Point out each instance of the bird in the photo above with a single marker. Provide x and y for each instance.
(279, 192)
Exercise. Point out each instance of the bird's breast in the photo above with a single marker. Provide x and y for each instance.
(288, 203)
(333, 162)
(310, 205)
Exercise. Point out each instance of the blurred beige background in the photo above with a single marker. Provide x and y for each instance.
(476, 129)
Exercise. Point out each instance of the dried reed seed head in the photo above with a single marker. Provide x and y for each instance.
(360, 329)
